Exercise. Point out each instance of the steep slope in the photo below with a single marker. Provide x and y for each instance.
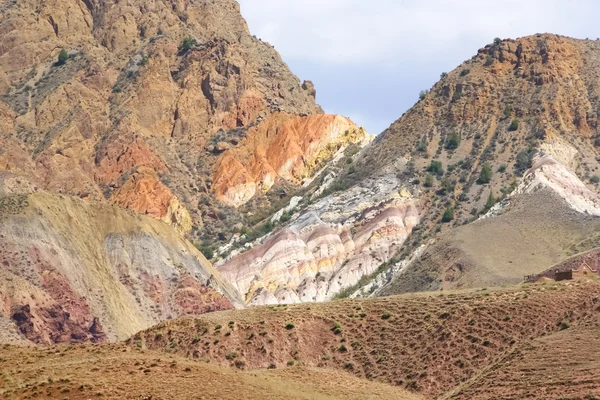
(116, 372)
(427, 343)
(517, 123)
(75, 270)
(151, 96)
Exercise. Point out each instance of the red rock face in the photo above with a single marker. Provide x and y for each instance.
(282, 146)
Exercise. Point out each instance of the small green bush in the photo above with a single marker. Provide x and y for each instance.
(595, 179)
(453, 141)
(63, 56)
(465, 72)
(514, 125)
(289, 326)
(436, 168)
(231, 356)
(386, 316)
(187, 44)
(448, 214)
(429, 180)
(486, 174)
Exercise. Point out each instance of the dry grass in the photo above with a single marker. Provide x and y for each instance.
(119, 372)
(427, 343)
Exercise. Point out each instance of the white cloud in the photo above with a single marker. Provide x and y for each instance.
(390, 49)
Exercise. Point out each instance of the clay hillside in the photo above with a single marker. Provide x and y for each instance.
(493, 175)
(508, 343)
(78, 270)
(171, 109)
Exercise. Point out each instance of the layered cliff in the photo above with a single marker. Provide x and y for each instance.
(75, 270)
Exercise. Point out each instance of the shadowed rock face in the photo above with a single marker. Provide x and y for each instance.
(75, 270)
(140, 117)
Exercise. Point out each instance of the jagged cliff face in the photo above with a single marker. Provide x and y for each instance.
(75, 270)
(141, 118)
(524, 109)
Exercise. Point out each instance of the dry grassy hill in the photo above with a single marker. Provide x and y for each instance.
(427, 343)
(118, 372)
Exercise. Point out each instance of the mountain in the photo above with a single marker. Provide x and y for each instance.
(498, 158)
(78, 270)
(171, 109)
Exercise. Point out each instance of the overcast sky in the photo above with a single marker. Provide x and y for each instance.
(370, 58)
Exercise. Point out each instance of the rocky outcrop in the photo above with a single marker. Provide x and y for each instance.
(282, 146)
(327, 248)
(75, 270)
(151, 96)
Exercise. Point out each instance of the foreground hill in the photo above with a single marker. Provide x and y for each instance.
(75, 270)
(117, 372)
(427, 343)
(511, 135)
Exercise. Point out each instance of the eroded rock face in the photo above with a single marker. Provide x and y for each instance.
(75, 270)
(282, 146)
(129, 117)
(328, 248)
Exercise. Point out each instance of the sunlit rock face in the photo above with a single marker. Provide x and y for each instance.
(328, 248)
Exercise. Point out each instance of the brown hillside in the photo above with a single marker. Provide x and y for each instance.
(428, 343)
(152, 94)
(532, 233)
(117, 372)
(511, 100)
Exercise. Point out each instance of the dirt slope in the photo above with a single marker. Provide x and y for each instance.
(562, 365)
(117, 372)
(535, 231)
(75, 270)
(428, 343)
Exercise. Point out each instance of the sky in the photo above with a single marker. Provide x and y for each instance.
(369, 59)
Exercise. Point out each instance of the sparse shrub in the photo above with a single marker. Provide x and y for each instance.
(508, 110)
(429, 180)
(206, 251)
(524, 161)
(497, 41)
(514, 125)
(436, 168)
(465, 72)
(486, 174)
(595, 179)
(502, 168)
(289, 326)
(453, 141)
(423, 94)
(422, 146)
(337, 328)
(187, 44)
(63, 56)
(564, 325)
(231, 356)
(343, 349)
(444, 75)
(291, 363)
(448, 214)
(489, 60)
(386, 316)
